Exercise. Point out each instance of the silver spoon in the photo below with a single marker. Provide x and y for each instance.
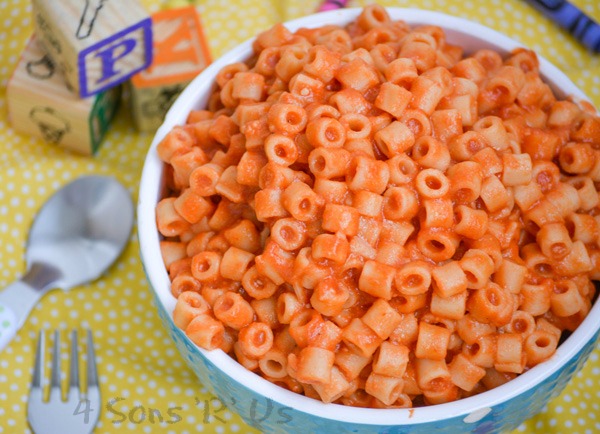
(79, 232)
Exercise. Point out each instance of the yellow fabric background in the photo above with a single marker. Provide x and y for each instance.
(140, 369)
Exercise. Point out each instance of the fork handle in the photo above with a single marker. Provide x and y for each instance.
(18, 298)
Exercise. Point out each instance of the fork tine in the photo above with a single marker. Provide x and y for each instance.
(38, 367)
(55, 375)
(92, 373)
(74, 364)
(55, 414)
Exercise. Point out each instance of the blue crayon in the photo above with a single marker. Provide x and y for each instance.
(572, 19)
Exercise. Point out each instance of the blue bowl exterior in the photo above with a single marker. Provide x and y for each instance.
(269, 416)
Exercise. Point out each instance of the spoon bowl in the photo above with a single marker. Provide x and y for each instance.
(75, 237)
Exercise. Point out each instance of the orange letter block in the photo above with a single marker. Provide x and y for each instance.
(180, 53)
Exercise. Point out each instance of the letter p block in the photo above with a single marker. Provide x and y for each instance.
(115, 59)
(97, 44)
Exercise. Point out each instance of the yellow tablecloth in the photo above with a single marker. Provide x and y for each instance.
(140, 370)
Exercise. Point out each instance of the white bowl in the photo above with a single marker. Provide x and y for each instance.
(271, 408)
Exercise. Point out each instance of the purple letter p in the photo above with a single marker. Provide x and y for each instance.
(110, 55)
(133, 43)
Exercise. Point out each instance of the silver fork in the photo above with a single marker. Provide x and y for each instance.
(79, 413)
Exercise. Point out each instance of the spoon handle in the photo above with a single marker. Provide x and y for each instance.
(17, 300)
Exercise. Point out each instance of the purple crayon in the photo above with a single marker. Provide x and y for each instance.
(572, 19)
(329, 5)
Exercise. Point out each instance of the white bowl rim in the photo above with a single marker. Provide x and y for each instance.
(159, 282)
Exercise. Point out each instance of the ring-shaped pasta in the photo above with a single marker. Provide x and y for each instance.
(413, 278)
(437, 244)
(288, 119)
(189, 305)
(326, 132)
(233, 310)
(289, 233)
(273, 364)
(430, 153)
(281, 149)
(257, 286)
(329, 162)
(432, 183)
(205, 266)
(402, 169)
(417, 121)
(373, 17)
(357, 126)
(256, 339)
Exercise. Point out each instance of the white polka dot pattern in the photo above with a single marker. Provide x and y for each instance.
(146, 386)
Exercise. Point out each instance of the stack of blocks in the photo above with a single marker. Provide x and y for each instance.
(40, 103)
(66, 86)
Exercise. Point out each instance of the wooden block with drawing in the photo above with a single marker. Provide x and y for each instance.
(96, 43)
(40, 104)
(180, 53)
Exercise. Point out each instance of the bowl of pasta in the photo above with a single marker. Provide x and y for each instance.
(377, 220)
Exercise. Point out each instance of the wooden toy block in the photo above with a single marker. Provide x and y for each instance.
(180, 53)
(40, 104)
(96, 43)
